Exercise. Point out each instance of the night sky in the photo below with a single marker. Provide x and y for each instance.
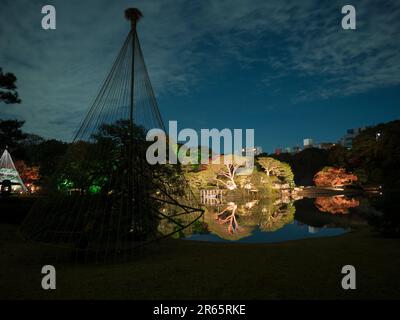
(285, 68)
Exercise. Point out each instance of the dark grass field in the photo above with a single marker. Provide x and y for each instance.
(13, 209)
(176, 269)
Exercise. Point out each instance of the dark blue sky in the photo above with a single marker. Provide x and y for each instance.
(284, 68)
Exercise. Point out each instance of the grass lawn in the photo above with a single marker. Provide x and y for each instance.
(176, 269)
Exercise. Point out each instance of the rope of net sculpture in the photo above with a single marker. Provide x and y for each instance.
(105, 200)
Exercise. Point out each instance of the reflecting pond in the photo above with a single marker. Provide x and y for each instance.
(267, 220)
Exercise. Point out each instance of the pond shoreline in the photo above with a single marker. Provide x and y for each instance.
(313, 191)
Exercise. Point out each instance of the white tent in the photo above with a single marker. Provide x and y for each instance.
(9, 172)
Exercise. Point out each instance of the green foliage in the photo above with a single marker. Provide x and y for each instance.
(199, 227)
(286, 174)
(276, 168)
(197, 155)
(94, 189)
(374, 160)
(269, 165)
(64, 184)
(257, 180)
(46, 155)
(376, 154)
(201, 180)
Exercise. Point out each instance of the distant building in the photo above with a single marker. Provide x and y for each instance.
(278, 151)
(326, 145)
(256, 150)
(288, 150)
(347, 140)
(308, 143)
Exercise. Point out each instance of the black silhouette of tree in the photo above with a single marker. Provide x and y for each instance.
(8, 93)
(11, 133)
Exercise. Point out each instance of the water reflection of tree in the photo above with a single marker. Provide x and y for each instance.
(336, 204)
(228, 216)
(225, 221)
(308, 213)
(278, 218)
(235, 221)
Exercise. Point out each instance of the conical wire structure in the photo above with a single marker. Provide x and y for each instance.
(8, 172)
(105, 200)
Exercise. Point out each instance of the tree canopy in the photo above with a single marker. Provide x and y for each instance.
(376, 154)
(276, 168)
(334, 177)
(305, 164)
(8, 93)
(11, 133)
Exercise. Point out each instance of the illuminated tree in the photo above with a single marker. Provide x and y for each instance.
(28, 174)
(334, 177)
(270, 165)
(285, 173)
(227, 168)
(274, 167)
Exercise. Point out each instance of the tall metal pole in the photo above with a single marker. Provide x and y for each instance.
(133, 15)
